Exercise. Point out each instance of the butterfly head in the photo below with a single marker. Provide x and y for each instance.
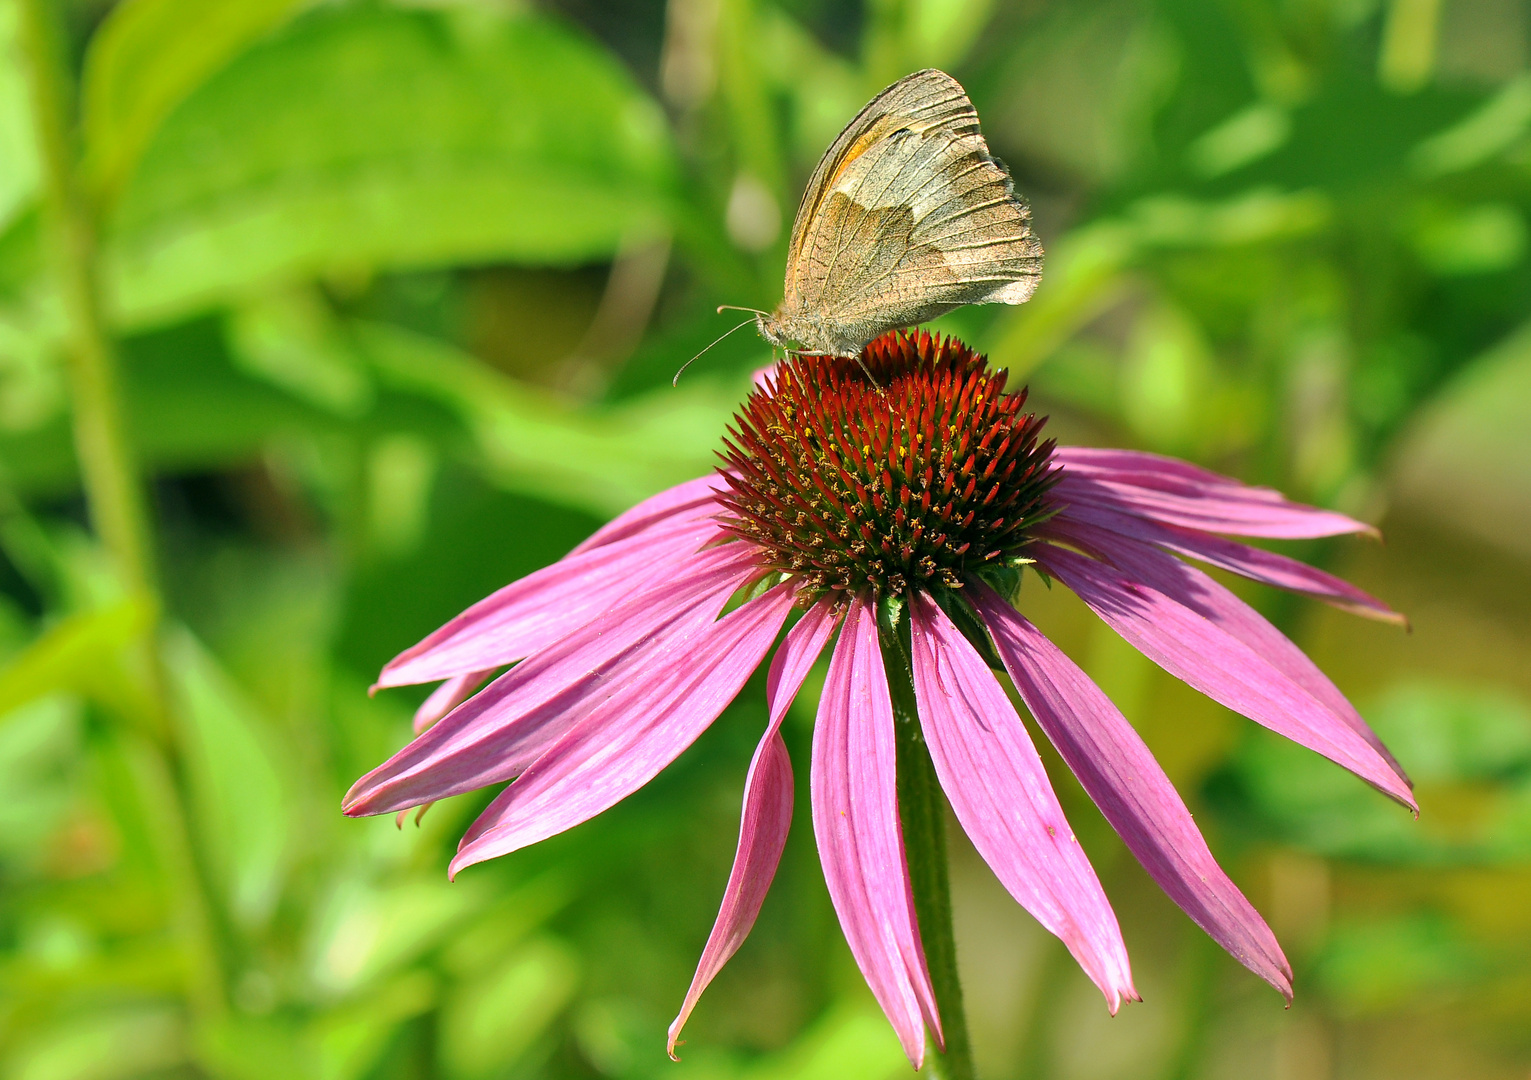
(806, 335)
(771, 329)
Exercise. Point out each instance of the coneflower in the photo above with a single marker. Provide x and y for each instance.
(897, 501)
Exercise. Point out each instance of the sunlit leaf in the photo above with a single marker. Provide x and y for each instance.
(490, 1022)
(39, 747)
(74, 654)
(102, 1046)
(846, 1044)
(366, 931)
(144, 60)
(348, 1042)
(362, 136)
(291, 340)
(1469, 750)
(242, 808)
(535, 442)
(18, 143)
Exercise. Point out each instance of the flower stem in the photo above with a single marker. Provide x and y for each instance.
(108, 468)
(922, 812)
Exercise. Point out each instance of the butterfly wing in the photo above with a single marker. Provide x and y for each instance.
(908, 216)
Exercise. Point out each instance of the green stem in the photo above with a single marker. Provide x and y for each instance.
(922, 812)
(114, 490)
(108, 469)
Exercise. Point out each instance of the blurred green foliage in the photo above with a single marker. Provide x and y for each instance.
(399, 288)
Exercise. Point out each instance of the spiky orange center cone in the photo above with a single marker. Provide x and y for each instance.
(909, 467)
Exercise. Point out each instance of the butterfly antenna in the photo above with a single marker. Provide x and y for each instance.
(735, 307)
(676, 381)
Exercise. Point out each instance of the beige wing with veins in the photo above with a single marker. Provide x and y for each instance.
(908, 216)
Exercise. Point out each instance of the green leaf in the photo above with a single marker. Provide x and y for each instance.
(348, 1042)
(1383, 963)
(363, 136)
(1473, 441)
(848, 1043)
(143, 61)
(490, 1022)
(39, 746)
(102, 1046)
(18, 145)
(535, 442)
(367, 931)
(238, 781)
(72, 654)
(289, 339)
(1467, 747)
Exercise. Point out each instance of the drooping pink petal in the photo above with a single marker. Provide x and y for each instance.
(997, 786)
(625, 741)
(1191, 587)
(448, 696)
(1254, 563)
(1240, 511)
(1122, 777)
(501, 730)
(1209, 658)
(693, 499)
(853, 784)
(767, 811)
(538, 609)
(1145, 469)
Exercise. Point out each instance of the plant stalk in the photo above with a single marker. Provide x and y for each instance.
(109, 474)
(108, 468)
(922, 812)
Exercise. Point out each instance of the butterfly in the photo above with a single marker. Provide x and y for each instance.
(907, 216)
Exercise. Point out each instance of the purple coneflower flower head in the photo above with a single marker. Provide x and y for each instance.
(894, 504)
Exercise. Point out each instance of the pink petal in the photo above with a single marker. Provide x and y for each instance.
(1119, 773)
(1139, 466)
(693, 499)
(853, 784)
(1189, 586)
(767, 811)
(528, 614)
(1212, 660)
(625, 741)
(1242, 511)
(448, 696)
(1254, 563)
(504, 728)
(997, 786)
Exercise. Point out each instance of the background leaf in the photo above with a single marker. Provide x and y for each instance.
(365, 136)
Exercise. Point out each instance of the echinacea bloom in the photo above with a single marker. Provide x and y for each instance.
(909, 487)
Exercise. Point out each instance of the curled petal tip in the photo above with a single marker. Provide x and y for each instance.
(460, 862)
(352, 804)
(1121, 994)
(674, 1041)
